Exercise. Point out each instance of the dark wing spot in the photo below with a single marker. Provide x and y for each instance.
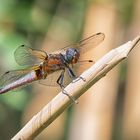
(22, 45)
(98, 33)
(7, 72)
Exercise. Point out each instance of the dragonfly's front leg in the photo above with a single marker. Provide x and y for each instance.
(71, 73)
(73, 76)
(60, 82)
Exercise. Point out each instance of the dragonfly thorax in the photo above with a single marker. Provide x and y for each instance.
(72, 55)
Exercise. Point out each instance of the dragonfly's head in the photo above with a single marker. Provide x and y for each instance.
(72, 55)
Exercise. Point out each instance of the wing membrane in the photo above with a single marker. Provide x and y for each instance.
(85, 44)
(51, 79)
(28, 56)
(12, 76)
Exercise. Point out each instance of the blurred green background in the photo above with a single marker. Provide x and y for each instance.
(27, 22)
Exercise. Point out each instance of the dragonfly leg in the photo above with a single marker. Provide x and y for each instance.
(78, 78)
(64, 92)
(73, 76)
(60, 81)
(71, 73)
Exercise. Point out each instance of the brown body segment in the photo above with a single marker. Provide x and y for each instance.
(52, 64)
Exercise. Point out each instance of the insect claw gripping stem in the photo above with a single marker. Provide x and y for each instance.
(64, 92)
(78, 78)
(82, 78)
(60, 81)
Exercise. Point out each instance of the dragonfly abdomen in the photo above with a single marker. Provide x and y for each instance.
(28, 78)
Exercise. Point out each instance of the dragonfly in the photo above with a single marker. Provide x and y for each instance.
(40, 64)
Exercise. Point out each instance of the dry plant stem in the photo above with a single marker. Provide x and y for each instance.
(75, 89)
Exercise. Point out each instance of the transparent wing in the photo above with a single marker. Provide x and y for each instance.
(28, 56)
(80, 67)
(51, 79)
(12, 76)
(85, 44)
